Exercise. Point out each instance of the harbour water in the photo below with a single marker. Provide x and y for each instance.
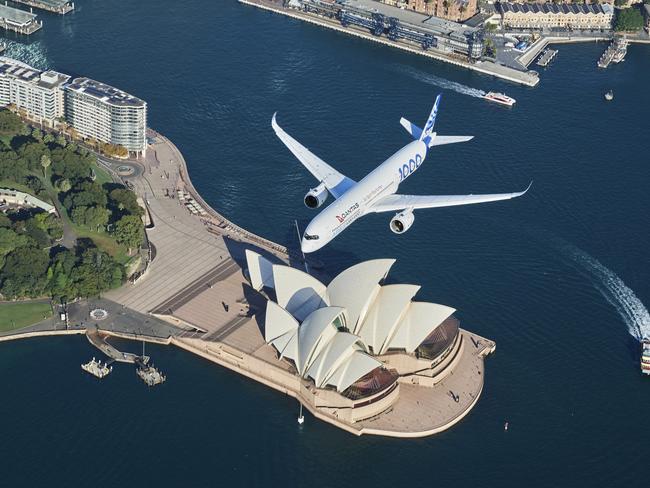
(558, 278)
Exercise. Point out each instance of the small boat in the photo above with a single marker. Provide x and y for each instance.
(609, 96)
(500, 98)
(645, 357)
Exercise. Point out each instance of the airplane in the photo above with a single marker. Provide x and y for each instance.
(376, 192)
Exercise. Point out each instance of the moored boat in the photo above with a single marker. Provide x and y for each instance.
(500, 98)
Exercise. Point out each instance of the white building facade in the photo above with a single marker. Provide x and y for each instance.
(37, 94)
(107, 114)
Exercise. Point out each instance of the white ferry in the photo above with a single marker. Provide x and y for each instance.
(645, 357)
(500, 98)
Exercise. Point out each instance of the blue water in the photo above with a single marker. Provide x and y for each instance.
(557, 278)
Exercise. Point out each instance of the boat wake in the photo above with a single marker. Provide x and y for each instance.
(440, 82)
(33, 54)
(627, 304)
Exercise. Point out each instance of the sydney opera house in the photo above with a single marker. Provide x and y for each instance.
(366, 354)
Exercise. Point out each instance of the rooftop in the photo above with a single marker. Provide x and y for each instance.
(16, 15)
(22, 71)
(435, 25)
(556, 8)
(103, 92)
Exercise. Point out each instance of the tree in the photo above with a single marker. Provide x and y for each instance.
(48, 138)
(45, 163)
(629, 19)
(96, 272)
(60, 140)
(124, 201)
(62, 185)
(10, 240)
(37, 134)
(129, 231)
(24, 273)
(49, 223)
(10, 123)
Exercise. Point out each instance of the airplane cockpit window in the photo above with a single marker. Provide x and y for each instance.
(311, 237)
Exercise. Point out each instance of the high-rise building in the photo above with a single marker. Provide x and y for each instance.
(37, 94)
(107, 114)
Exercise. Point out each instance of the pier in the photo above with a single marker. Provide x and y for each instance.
(99, 341)
(547, 56)
(97, 369)
(615, 53)
(19, 21)
(57, 6)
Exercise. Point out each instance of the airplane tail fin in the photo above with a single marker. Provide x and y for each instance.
(427, 134)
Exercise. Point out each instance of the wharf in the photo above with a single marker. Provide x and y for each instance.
(547, 56)
(99, 341)
(615, 52)
(57, 6)
(526, 78)
(16, 20)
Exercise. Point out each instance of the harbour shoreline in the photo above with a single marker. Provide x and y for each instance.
(503, 72)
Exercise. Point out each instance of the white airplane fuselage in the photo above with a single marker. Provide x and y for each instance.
(353, 204)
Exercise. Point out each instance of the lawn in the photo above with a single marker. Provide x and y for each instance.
(21, 314)
(101, 175)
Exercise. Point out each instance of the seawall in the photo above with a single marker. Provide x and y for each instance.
(486, 67)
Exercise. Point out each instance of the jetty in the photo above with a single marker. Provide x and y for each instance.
(19, 21)
(149, 374)
(547, 56)
(96, 368)
(615, 53)
(57, 6)
(97, 339)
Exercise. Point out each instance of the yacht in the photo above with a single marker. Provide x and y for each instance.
(645, 357)
(500, 98)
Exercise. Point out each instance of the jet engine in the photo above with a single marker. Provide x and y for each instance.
(402, 221)
(316, 196)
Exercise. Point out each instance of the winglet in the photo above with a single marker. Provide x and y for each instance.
(518, 194)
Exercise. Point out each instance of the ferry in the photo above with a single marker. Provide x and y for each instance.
(645, 357)
(500, 98)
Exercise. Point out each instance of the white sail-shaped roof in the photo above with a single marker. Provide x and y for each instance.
(298, 292)
(287, 345)
(385, 314)
(260, 270)
(314, 334)
(356, 287)
(277, 322)
(355, 367)
(339, 349)
(420, 320)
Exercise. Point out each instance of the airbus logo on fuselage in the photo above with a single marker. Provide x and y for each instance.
(341, 218)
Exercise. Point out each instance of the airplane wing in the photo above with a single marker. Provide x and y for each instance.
(391, 203)
(336, 183)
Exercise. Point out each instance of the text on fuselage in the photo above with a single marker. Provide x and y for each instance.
(408, 168)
